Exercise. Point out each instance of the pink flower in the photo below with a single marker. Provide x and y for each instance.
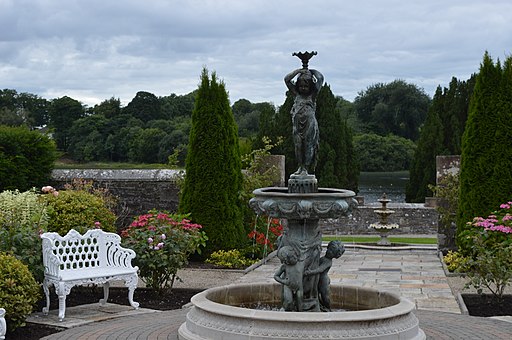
(163, 237)
(504, 206)
(150, 240)
(47, 189)
(97, 225)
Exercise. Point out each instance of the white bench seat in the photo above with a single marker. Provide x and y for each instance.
(93, 258)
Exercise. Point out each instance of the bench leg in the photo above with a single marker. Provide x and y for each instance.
(46, 290)
(131, 282)
(62, 292)
(106, 288)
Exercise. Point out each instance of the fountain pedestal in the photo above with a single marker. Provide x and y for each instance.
(304, 290)
(383, 227)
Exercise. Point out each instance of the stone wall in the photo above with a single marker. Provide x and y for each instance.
(412, 218)
(141, 190)
(138, 191)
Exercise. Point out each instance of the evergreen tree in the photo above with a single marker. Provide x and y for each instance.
(486, 160)
(331, 167)
(423, 168)
(441, 134)
(213, 178)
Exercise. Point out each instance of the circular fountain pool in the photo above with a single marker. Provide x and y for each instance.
(371, 314)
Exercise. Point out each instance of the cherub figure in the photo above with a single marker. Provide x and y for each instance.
(290, 276)
(334, 250)
(305, 125)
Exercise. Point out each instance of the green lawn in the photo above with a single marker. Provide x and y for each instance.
(374, 239)
(100, 165)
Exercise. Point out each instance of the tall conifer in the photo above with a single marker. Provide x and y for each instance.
(423, 170)
(213, 169)
(486, 160)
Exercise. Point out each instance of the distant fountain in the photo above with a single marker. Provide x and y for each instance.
(383, 227)
(302, 303)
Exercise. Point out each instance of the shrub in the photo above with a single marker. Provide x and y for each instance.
(18, 291)
(456, 262)
(23, 217)
(214, 176)
(26, 158)
(229, 259)
(81, 208)
(490, 263)
(163, 243)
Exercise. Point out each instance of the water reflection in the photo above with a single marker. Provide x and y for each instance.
(373, 184)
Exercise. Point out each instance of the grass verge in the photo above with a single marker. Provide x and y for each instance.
(374, 239)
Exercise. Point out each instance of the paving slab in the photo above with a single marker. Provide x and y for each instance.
(416, 275)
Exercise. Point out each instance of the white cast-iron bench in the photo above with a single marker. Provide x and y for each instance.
(93, 258)
(3, 325)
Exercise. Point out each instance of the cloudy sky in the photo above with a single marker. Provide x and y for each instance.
(92, 50)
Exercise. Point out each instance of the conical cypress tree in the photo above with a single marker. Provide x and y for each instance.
(213, 178)
(423, 168)
(486, 160)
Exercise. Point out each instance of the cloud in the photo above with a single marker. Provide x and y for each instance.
(93, 50)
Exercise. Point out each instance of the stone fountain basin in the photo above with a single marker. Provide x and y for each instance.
(326, 203)
(372, 314)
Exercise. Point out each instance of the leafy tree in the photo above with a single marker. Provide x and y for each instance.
(377, 153)
(22, 109)
(348, 114)
(122, 129)
(214, 178)
(108, 108)
(398, 108)
(144, 106)
(26, 158)
(266, 125)
(486, 160)
(177, 106)
(146, 146)
(87, 141)
(63, 112)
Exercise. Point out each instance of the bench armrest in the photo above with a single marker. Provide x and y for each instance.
(51, 262)
(117, 255)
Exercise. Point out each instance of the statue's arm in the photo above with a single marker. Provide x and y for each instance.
(320, 269)
(288, 80)
(319, 79)
(277, 276)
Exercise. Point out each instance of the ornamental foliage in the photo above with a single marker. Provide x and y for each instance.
(163, 243)
(23, 218)
(26, 158)
(486, 159)
(213, 180)
(19, 292)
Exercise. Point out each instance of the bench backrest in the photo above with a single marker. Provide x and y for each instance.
(96, 248)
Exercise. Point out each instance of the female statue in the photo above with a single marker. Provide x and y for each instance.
(305, 127)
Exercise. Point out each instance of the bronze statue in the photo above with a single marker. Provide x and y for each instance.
(334, 250)
(305, 126)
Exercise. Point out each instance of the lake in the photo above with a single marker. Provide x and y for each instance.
(373, 184)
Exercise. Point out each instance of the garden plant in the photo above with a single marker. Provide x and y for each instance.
(163, 243)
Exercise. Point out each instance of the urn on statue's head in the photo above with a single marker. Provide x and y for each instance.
(304, 56)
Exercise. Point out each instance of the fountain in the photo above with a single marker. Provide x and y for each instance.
(301, 304)
(383, 226)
